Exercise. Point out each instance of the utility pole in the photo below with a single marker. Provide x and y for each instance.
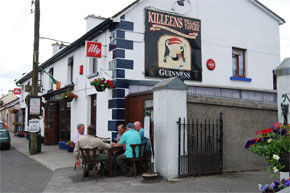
(34, 89)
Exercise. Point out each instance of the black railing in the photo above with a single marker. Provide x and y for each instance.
(200, 146)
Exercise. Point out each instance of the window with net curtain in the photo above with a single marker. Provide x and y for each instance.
(239, 66)
(94, 65)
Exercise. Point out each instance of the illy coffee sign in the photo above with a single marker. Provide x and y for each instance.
(93, 49)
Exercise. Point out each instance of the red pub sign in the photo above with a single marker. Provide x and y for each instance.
(93, 49)
(17, 91)
(210, 63)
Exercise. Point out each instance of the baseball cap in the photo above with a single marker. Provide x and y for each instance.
(130, 125)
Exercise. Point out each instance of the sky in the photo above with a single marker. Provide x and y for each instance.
(64, 20)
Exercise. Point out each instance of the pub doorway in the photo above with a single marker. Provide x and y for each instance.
(94, 110)
(51, 129)
(57, 122)
(137, 107)
(64, 120)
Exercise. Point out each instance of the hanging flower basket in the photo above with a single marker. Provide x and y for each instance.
(14, 111)
(69, 99)
(68, 96)
(100, 88)
(101, 84)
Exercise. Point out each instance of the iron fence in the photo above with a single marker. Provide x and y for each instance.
(200, 146)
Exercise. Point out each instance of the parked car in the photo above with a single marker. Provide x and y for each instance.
(4, 137)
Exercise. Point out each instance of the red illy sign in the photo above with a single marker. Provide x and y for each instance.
(17, 91)
(93, 49)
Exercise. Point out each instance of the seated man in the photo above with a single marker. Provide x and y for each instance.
(121, 131)
(138, 127)
(90, 141)
(129, 137)
(81, 129)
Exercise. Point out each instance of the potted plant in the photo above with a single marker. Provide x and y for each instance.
(70, 146)
(68, 96)
(274, 145)
(101, 84)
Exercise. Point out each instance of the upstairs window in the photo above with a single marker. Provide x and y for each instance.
(239, 66)
(50, 81)
(94, 65)
(70, 70)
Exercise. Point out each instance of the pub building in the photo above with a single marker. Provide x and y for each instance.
(224, 51)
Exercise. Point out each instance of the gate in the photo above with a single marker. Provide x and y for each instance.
(200, 146)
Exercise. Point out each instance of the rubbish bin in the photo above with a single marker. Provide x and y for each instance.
(38, 136)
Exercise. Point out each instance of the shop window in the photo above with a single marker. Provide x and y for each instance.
(238, 61)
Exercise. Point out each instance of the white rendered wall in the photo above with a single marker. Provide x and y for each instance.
(80, 108)
(224, 24)
(171, 104)
(283, 87)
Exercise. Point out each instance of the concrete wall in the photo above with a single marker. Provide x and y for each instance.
(241, 121)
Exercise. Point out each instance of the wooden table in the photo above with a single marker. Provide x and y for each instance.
(110, 157)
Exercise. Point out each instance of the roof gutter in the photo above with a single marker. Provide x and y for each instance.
(269, 11)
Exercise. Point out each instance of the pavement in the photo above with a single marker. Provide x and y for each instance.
(66, 179)
(50, 156)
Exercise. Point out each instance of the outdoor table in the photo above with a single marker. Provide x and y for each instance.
(110, 157)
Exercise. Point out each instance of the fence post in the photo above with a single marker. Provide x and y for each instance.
(221, 142)
(169, 101)
(179, 130)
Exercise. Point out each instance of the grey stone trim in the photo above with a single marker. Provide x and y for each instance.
(173, 83)
(283, 68)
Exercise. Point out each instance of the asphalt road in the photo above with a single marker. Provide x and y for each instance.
(68, 180)
(21, 174)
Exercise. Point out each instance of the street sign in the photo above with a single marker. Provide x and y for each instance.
(93, 49)
(34, 125)
(34, 106)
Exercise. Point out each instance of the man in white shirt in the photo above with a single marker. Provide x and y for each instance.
(81, 129)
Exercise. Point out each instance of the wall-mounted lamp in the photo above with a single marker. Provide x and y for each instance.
(181, 6)
(180, 2)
